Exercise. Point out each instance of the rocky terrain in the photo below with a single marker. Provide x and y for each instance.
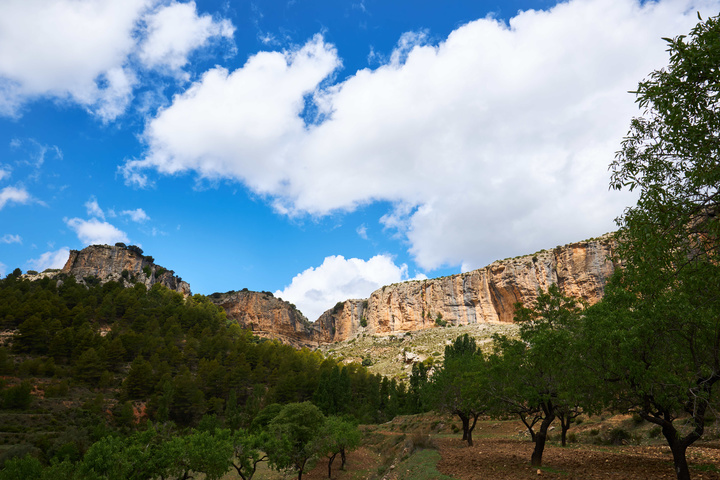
(483, 296)
(486, 295)
(394, 355)
(126, 265)
(269, 317)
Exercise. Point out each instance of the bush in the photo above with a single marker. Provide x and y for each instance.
(366, 362)
(655, 432)
(420, 441)
(618, 436)
(32, 272)
(363, 322)
(17, 397)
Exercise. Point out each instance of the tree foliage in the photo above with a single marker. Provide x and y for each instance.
(663, 310)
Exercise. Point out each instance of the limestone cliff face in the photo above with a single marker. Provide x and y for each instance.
(113, 263)
(269, 317)
(486, 295)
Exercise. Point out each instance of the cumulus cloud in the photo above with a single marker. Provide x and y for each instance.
(56, 259)
(14, 195)
(491, 143)
(9, 238)
(319, 288)
(96, 232)
(174, 31)
(252, 115)
(93, 209)
(138, 215)
(83, 51)
(4, 172)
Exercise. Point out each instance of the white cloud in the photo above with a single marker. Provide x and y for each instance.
(56, 259)
(319, 288)
(93, 209)
(3, 269)
(9, 238)
(251, 114)
(174, 31)
(362, 231)
(84, 51)
(95, 232)
(138, 215)
(4, 172)
(492, 143)
(15, 195)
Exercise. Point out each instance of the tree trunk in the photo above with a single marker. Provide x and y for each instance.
(541, 437)
(342, 458)
(564, 427)
(332, 459)
(465, 424)
(471, 428)
(678, 447)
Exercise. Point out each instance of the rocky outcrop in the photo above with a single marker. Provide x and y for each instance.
(486, 295)
(269, 317)
(121, 264)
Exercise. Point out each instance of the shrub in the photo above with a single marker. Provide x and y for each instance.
(655, 432)
(618, 436)
(363, 322)
(366, 362)
(637, 420)
(420, 441)
(32, 272)
(17, 397)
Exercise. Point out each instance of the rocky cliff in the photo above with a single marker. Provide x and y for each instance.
(121, 264)
(486, 295)
(269, 317)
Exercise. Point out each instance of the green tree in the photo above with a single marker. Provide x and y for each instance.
(89, 367)
(338, 436)
(25, 468)
(537, 376)
(666, 301)
(459, 385)
(139, 382)
(294, 436)
(247, 452)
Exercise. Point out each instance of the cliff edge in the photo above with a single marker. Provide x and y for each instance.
(119, 263)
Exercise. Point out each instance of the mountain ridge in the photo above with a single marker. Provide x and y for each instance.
(484, 295)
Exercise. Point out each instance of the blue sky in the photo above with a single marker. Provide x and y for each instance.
(317, 149)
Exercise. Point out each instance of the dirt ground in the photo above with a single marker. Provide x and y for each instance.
(500, 452)
(510, 460)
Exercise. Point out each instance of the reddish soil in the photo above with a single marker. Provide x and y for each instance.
(510, 460)
(501, 453)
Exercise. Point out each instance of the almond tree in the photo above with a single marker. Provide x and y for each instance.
(537, 376)
(658, 332)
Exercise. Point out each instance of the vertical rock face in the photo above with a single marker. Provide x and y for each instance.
(117, 263)
(269, 317)
(486, 295)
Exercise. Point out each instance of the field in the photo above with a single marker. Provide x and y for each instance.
(425, 447)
